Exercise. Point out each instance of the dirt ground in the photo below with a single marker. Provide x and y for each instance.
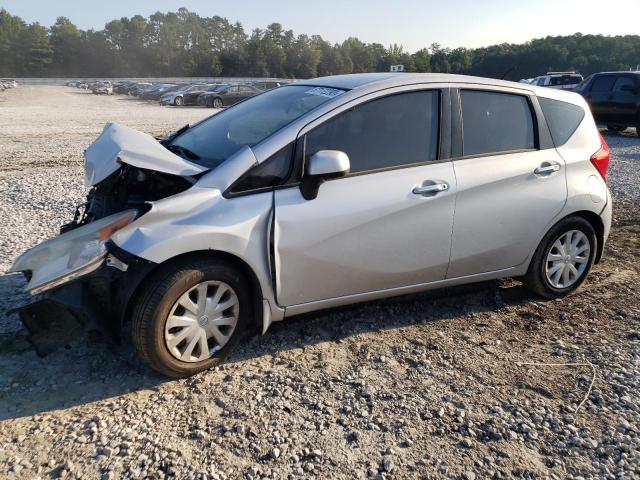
(423, 386)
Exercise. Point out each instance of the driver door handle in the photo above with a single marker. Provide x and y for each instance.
(434, 188)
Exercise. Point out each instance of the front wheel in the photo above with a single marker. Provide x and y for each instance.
(190, 315)
(563, 259)
(179, 101)
(217, 103)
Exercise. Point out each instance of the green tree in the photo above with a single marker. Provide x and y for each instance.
(65, 40)
(37, 50)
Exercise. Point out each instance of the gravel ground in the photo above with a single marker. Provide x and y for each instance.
(423, 386)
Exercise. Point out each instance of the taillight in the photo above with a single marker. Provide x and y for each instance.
(600, 159)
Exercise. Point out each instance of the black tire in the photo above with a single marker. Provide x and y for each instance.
(616, 128)
(217, 103)
(179, 101)
(157, 296)
(536, 278)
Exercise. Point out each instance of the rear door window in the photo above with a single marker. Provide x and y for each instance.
(495, 122)
(603, 84)
(621, 82)
(563, 118)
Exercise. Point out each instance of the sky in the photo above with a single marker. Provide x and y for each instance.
(414, 24)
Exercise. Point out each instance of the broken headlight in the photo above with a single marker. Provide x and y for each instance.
(70, 255)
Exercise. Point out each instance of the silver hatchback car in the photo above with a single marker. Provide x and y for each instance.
(321, 193)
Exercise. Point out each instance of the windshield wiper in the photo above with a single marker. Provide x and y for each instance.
(183, 152)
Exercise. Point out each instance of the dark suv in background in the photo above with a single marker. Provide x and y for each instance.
(614, 98)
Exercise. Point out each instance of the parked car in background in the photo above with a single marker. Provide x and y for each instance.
(159, 90)
(227, 95)
(176, 97)
(614, 99)
(7, 83)
(190, 97)
(205, 99)
(267, 85)
(102, 88)
(138, 87)
(559, 80)
(319, 194)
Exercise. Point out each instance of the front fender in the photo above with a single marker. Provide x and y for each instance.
(201, 219)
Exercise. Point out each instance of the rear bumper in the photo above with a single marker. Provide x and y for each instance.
(606, 215)
(97, 301)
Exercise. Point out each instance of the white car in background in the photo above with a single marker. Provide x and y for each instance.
(558, 80)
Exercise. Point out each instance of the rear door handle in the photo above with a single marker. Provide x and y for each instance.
(433, 188)
(547, 167)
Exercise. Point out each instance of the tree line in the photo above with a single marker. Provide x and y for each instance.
(184, 43)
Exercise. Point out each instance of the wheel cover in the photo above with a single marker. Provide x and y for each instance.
(567, 259)
(201, 321)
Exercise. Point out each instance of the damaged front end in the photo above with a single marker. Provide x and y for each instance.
(81, 280)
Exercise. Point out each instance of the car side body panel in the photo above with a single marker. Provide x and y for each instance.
(201, 218)
(387, 237)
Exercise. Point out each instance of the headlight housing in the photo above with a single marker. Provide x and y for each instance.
(70, 255)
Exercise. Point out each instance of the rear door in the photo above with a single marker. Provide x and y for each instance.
(373, 229)
(600, 98)
(509, 188)
(625, 99)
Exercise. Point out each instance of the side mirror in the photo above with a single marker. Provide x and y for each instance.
(323, 165)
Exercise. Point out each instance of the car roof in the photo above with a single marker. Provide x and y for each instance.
(619, 73)
(388, 80)
(364, 83)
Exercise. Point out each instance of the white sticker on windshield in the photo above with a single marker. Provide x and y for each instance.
(325, 92)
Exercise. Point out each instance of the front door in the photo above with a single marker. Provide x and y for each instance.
(600, 98)
(508, 189)
(373, 229)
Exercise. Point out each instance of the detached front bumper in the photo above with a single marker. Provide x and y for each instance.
(96, 301)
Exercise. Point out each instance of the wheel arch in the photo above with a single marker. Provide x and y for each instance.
(596, 222)
(128, 299)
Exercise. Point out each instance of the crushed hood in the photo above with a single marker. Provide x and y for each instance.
(118, 144)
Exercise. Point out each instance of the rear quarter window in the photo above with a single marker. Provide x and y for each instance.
(563, 118)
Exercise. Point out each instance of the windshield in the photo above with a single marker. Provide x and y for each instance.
(248, 123)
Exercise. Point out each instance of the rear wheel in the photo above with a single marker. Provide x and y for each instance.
(616, 128)
(190, 315)
(563, 259)
(217, 103)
